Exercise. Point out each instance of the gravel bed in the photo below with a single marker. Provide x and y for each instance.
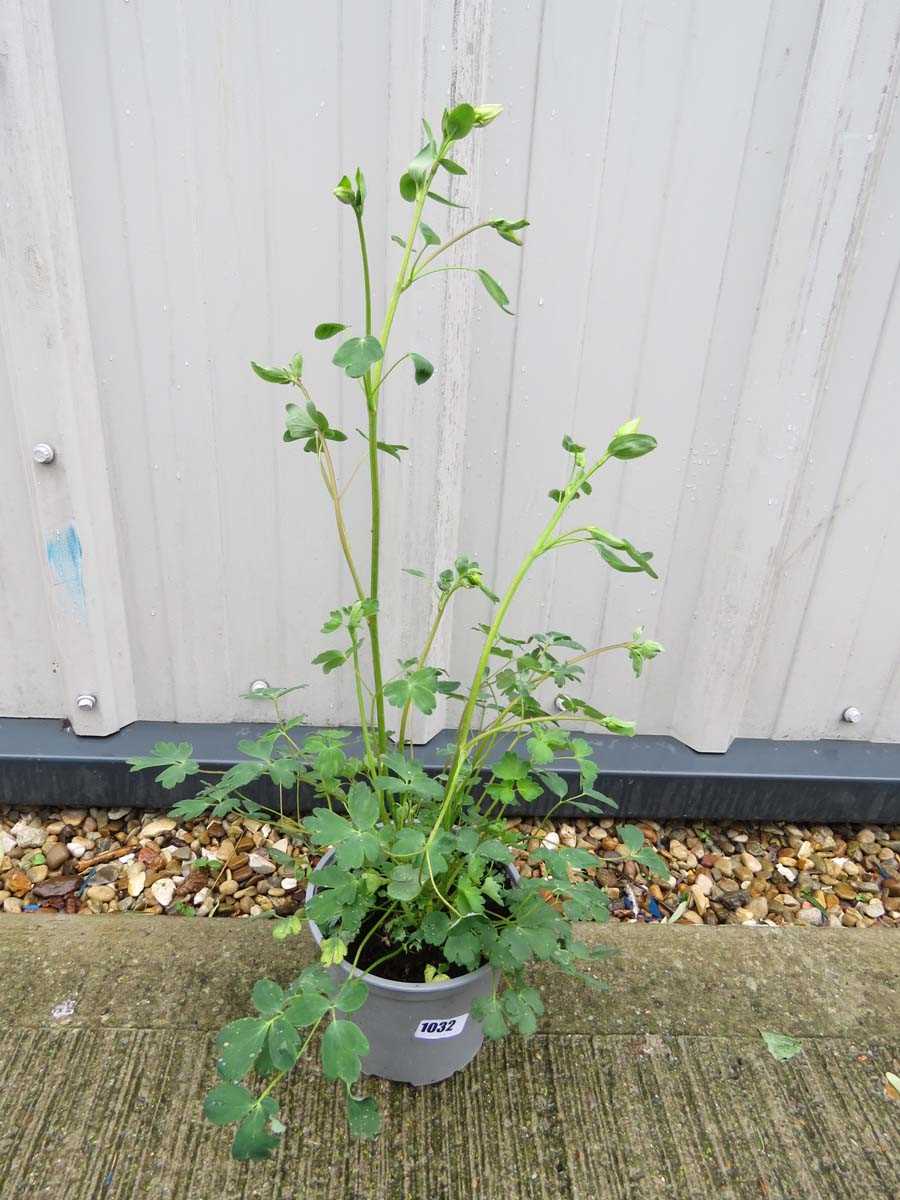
(93, 861)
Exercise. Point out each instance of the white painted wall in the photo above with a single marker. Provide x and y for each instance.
(714, 246)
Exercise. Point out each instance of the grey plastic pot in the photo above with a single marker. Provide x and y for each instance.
(418, 1033)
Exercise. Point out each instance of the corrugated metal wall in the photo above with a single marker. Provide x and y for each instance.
(714, 246)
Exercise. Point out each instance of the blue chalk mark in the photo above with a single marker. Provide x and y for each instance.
(64, 556)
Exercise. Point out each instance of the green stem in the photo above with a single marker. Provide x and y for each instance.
(372, 382)
(361, 704)
(452, 241)
(375, 493)
(423, 659)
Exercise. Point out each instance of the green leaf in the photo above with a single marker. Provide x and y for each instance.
(363, 1117)
(327, 828)
(283, 1043)
(271, 374)
(462, 946)
(252, 1141)
(510, 767)
(387, 447)
(343, 1046)
(175, 757)
(408, 842)
(781, 1045)
(631, 445)
(307, 1008)
(435, 927)
(327, 329)
(648, 857)
(361, 191)
(423, 369)
(452, 168)
(238, 1045)
(267, 997)
(489, 1012)
(404, 882)
(428, 234)
(408, 191)
(631, 837)
(226, 1103)
(418, 687)
(356, 355)
(458, 122)
(362, 806)
(418, 170)
(330, 660)
(494, 290)
(443, 200)
(352, 995)
(509, 229)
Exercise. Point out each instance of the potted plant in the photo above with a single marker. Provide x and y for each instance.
(424, 929)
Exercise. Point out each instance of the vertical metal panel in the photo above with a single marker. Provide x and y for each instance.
(713, 247)
(51, 397)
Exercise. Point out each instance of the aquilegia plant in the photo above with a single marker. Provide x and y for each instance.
(418, 888)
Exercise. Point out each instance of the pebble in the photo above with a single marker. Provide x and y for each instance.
(101, 892)
(55, 855)
(154, 828)
(260, 865)
(27, 836)
(163, 891)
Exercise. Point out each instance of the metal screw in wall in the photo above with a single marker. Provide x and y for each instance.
(43, 453)
(851, 715)
(86, 702)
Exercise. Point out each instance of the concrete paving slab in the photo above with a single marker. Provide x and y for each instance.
(660, 1087)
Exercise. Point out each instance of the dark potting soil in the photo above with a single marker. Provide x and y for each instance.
(408, 966)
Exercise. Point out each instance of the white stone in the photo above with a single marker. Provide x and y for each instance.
(788, 872)
(7, 842)
(260, 865)
(27, 836)
(137, 879)
(288, 884)
(116, 814)
(811, 916)
(163, 892)
(874, 908)
(201, 896)
(78, 847)
(155, 828)
(704, 884)
(551, 841)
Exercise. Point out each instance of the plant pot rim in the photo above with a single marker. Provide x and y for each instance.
(395, 985)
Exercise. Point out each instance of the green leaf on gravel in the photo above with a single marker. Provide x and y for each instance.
(781, 1045)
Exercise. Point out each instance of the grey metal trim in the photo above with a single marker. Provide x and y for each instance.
(42, 763)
